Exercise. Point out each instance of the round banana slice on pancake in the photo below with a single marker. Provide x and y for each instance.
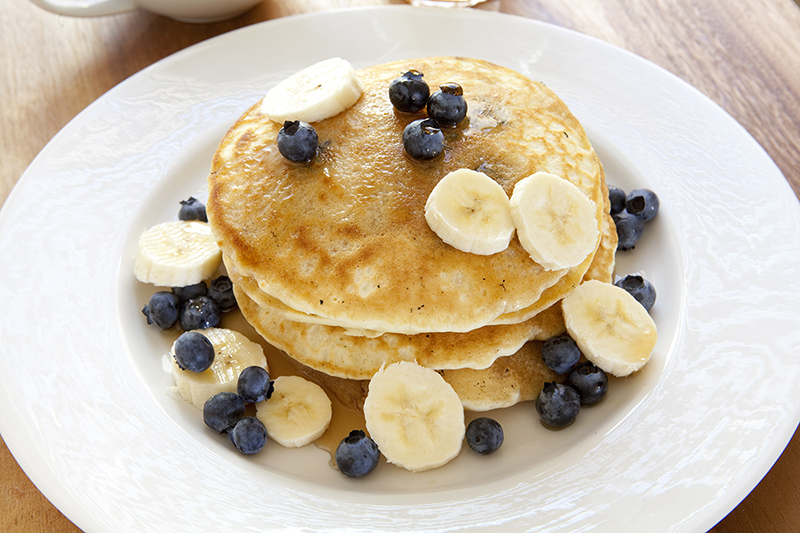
(344, 237)
(470, 211)
(555, 221)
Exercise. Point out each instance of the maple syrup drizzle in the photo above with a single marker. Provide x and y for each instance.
(347, 413)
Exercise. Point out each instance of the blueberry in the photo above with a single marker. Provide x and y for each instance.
(163, 309)
(254, 384)
(192, 209)
(221, 291)
(297, 141)
(560, 353)
(409, 92)
(423, 139)
(199, 313)
(223, 410)
(590, 382)
(629, 230)
(558, 405)
(248, 435)
(447, 105)
(484, 435)
(193, 352)
(640, 288)
(643, 203)
(617, 198)
(190, 291)
(357, 455)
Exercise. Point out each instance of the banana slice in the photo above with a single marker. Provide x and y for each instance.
(555, 221)
(414, 416)
(297, 413)
(176, 254)
(611, 328)
(233, 352)
(470, 211)
(317, 92)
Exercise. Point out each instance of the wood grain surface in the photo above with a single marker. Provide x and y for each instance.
(743, 54)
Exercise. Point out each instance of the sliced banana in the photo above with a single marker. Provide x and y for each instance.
(297, 413)
(317, 92)
(233, 352)
(414, 416)
(470, 211)
(555, 221)
(176, 254)
(611, 328)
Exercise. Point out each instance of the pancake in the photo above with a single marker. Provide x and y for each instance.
(344, 237)
(600, 267)
(331, 350)
(548, 298)
(274, 306)
(338, 352)
(510, 380)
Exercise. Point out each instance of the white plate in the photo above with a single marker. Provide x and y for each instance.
(674, 448)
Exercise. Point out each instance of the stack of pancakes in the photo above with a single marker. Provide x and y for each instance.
(334, 263)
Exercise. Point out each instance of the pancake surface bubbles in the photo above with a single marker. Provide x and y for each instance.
(345, 238)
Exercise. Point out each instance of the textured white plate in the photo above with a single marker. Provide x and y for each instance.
(674, 448)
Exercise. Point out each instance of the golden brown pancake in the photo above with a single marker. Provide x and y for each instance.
(330, 349)
(510, 380)
(344, 237)
(337, 352)
(601, 267)
(276, 307)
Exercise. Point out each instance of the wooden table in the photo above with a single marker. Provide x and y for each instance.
(743, 54)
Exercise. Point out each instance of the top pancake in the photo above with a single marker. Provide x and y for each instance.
(344, 237)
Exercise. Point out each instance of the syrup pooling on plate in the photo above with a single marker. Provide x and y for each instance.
(500, 142)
